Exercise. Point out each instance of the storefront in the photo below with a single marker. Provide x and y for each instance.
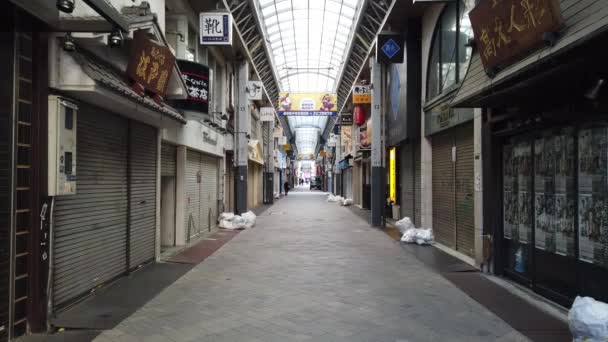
(544, 128)
(108, 227)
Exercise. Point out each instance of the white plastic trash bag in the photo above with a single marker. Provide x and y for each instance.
(404, 224)
(227, 216)
(346, 202)
(227, 224)
(421, 236)
(588, 320)
(249, 218)
(331, 198)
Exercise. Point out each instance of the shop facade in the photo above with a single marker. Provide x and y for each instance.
(546, 181)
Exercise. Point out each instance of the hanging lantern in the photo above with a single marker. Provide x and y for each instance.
(359, 115)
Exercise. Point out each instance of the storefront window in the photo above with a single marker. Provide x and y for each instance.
(449, 56)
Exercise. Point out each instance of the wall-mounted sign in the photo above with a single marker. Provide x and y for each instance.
(196, 77)
(267, 114)
(507, 29)
(346, 119)
(150, 65)
(390, 48)
(362, 94)
(216, 28)
(443, 117)
(255, 90)
(278, 132)
(308, 104)
(282, 141)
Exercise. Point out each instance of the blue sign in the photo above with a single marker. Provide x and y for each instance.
(390, 48)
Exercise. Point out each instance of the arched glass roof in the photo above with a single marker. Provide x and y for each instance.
(308, 41)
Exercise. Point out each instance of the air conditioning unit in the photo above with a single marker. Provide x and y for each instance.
(61, 147)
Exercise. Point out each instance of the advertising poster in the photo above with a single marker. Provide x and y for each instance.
(565, 199)
(507, 176)
(522, 169)
(593, 169)
(346, 139)
(308, 104)
(525, 216)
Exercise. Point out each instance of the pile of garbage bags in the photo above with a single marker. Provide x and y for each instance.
(588, 320)
(232, 221)
(411, 234)
(340, 200)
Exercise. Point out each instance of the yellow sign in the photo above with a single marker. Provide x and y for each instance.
(362, 94)
(308, 104)
(392, 175)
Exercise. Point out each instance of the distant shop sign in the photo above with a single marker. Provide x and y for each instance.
(390, 48)
(215, 28)
(507, 29)
(346, 119)
(267, 114)
(362, 94)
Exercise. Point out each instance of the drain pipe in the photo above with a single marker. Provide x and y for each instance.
(49, 281)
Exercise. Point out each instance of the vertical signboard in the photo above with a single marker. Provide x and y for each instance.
(392, 175)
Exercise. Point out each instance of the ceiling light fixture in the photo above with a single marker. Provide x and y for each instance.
(65, 6)
(68, 43)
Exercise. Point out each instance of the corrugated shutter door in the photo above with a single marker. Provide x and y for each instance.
(142, 178)
(209, 195)
(193, 189)
(91, 226)
(406, 173)
(443, 192)
(465, 218)
(417, 185)
(168, 157)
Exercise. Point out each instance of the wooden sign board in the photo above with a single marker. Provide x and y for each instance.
(150, 64)
(507, 29)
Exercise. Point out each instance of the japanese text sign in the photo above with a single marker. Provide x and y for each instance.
(216, 28)
(150, 64)
(362, 94)
(506, 29)
(196, 77)
(267, 114)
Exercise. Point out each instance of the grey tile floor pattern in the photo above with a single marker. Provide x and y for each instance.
(311, 271)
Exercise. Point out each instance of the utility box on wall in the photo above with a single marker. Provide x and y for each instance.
(62, 147)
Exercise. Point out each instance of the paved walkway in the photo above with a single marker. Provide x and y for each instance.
(311, 271)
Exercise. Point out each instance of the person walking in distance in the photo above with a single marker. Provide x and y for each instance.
(286, 187)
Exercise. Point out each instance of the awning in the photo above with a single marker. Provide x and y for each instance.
(584, 20)
(255, 152)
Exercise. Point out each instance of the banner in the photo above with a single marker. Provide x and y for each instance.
(308, 104)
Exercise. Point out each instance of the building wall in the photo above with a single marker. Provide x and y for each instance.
(156, 6)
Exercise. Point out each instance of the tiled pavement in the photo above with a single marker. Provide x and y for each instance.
(311, 271)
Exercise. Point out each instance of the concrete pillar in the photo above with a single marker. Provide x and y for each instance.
(378, 170)
(241, 140)
(180, 196)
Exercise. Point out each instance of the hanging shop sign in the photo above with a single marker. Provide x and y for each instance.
(282, 141)
(150, 65)
(331, 142)
(267, 114)
(308, 104)
(278, 132)
(196, 77)
(390, 48)
(507, 29)
(365, 136)
(392, 175)
(255, 90)
(362, 94)
(215, 28)
(346, 119)
(346, 139)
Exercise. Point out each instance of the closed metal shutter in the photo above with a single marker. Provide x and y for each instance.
(168, 157)
(91, 226)
(453, 200)
(209, 212)
(444, 221)
(193, 188)
(465, 216)
(142, 193)
(417, 185)
(409, 171)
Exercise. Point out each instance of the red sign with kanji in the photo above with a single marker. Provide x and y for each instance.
(150, 64)
(507, 29)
